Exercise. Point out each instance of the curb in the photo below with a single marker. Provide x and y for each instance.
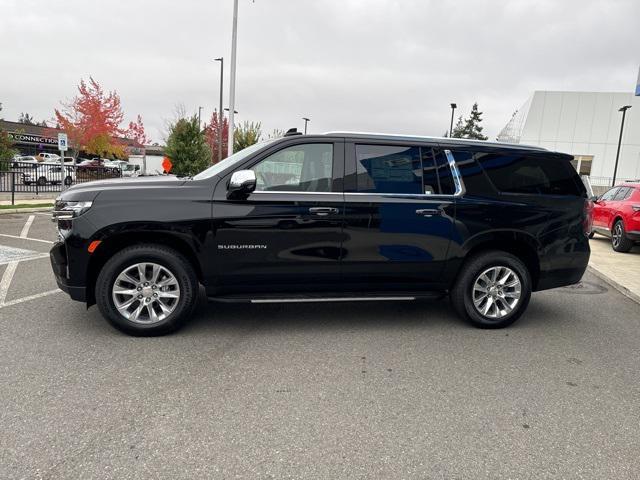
(618, 286)
(25, 210)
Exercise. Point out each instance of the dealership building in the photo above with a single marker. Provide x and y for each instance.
(585, 125)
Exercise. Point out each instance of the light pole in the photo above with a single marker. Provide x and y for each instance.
(232, 86)
(306, 120)
(220, 114)
(615, 168)
(453, 109)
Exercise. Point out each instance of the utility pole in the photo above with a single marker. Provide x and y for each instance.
(306, 120)
(615, 168)
(232, 86)
(220, 114)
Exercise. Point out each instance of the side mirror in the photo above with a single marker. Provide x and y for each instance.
(242, 183)
(594, 199)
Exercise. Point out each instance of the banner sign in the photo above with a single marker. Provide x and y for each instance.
(28, 138)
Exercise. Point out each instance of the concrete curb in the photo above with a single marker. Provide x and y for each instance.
(618, 286)
(25, 210)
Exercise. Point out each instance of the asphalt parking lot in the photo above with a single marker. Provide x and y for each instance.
(366, 390)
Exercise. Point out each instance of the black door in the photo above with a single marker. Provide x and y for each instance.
(399, 214)
(286, 236)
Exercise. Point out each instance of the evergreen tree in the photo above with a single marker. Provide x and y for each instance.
(246, 134)
(187, 147)
(472, 128)
(6, 150)
(458, 130)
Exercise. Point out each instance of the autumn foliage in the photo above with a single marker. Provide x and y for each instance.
(92, 120)
(136, 132)
(211, 134)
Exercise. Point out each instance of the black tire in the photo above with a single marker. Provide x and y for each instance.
(166, 257)
(462, 293)
(68, 181)
(592, 234)
(619, 241)
(42, 181)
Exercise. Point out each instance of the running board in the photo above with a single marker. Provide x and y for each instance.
(334, 299)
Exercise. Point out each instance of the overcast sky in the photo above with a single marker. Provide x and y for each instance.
(366, 65)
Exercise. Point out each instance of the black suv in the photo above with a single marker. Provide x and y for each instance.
(333, 217)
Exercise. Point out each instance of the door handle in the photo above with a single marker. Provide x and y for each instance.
(428, 212)
(323, 211)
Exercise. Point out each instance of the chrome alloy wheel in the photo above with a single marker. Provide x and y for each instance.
(496, 292)
(146, 293)
(617, 234)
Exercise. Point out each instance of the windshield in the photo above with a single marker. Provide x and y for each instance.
(233, 159)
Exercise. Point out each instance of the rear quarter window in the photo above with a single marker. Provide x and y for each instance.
(533, 175)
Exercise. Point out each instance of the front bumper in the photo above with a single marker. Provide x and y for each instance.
(59, 264)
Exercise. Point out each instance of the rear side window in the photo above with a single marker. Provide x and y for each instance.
(475, 180)
(437, 172)
(609, 194)
(388, 169)
(622, 194)
(518, 173)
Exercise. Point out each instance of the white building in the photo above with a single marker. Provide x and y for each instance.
(585, 125)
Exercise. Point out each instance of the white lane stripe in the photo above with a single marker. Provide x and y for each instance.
(27, 226)
(26, 259)
(5, 282)
(30, 297)
(25, 238)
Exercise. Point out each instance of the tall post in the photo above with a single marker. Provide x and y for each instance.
(232, 85)
(615, 168)
(220, 112)
(306, 120)
(453, 109)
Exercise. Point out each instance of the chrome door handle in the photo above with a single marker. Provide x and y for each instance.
(428, 212)
(323, 211)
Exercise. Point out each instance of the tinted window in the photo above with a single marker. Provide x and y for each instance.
(610, 194)
(475, 180)
(435, 159)
(388, 169)
(622, 194)
(518, 173)
(300, 168)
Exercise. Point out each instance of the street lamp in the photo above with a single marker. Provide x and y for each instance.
(232, 86)
(220, 119)
(306, 120)
(615, 168)
(453, 109)
(235, 111)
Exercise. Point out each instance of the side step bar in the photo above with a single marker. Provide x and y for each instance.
(334, 299)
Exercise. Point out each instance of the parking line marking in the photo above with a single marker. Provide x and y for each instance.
(25, 238)
(30, 297)
(27, 226)
(5, 282)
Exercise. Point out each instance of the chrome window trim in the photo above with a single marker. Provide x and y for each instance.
(455, 173)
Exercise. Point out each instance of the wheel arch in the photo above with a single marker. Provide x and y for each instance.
(519, 244)
(112, 244)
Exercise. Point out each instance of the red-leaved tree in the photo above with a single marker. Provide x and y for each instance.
(92, 120)
(211, 134)
(136, 132)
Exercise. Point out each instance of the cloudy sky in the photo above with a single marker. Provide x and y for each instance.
(367, 65)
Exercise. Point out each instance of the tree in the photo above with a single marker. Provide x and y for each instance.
(246, 134)
(136, 132)
(211, 134)
(26, 119)
(6, 150)
(472, 128)
(458, 130)
(92, 120)
(187, 147)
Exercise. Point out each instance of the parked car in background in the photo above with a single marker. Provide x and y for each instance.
(127, 169)
(329, 218)
(23, 161)
(47, 157)
(49, 175)
(616, 214)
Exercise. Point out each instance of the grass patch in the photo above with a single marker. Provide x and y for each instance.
(25, 205)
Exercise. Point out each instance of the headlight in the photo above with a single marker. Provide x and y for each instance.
(67, 210)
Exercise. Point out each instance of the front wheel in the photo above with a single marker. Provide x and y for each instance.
(492, 290)
(619, 240)
(147, 290)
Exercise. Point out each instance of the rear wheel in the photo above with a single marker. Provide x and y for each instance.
(147, 290)
(492, 290)
(42, 181)
(619, 240)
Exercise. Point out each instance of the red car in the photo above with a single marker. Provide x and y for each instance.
(616, 214)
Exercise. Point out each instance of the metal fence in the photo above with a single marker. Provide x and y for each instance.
(36, 178)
